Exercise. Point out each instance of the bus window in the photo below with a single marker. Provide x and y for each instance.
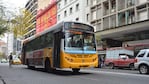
(79, 41)
(89, 43)
(73, 40)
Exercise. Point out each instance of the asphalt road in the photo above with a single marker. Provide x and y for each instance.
(21, 75)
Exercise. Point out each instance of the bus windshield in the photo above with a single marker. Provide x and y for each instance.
(79, 42)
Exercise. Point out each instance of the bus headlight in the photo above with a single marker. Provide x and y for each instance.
(70, 60)
(94, 59)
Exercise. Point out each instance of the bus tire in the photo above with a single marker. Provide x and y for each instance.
(48, 66)
(75, 70)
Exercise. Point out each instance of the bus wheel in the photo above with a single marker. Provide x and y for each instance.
(48, 66)
(75, 70)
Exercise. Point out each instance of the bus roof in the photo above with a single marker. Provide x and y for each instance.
(54, 28)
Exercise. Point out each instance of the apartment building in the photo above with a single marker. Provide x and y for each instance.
(47, 15)
(73, 10)
(32, 7)
(121, 22)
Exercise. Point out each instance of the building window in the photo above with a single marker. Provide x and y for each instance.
(87, 2)
(121, 4)
(130, 3)
(130, 16)
(87, 17)
(70, 10)
(98, 1)
(59, 17)
(65, 13)
(99, 14)
(105, 8)
(106, 23)
(77, 19)
(142, 15)
(77, 7)
(113, 21)
(121, 18)
(94, 2)
(113, 6)
(93, 15)
(65, 2)
(141, 1)
(59, 6)
(98, 27)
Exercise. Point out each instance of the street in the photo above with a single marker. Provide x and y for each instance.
(19, 74)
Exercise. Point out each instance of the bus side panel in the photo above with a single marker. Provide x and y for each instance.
(38, 57)
(48, 55)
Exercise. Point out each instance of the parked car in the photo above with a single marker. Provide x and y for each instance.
(120, 57)
(16, 61)
(4, 61)
(142, 61)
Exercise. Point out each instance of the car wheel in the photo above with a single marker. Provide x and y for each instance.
(131, 66)
(143, 69)
(48, 67)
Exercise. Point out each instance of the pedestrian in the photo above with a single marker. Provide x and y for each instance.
(10, 59)
(101, 61)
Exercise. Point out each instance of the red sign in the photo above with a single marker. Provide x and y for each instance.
(47, 18)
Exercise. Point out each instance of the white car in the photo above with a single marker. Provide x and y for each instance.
(4, 61)
(142, 61)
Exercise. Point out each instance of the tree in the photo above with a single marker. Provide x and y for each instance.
(3, 21)
(22, 23)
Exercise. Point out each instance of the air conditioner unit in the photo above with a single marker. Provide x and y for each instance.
(130, 3)
(113, 10)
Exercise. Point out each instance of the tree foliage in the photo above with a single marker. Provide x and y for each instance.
(22, 23)
(3, 21)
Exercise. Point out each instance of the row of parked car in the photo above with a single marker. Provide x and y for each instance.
(142, 61)
(125, 58)
(15, 61)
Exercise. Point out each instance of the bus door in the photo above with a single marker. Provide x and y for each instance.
(56, 52)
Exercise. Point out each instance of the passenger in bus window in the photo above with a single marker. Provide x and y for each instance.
(79, 43)
(71, 43)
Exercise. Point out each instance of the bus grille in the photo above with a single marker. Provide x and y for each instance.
(81, 56)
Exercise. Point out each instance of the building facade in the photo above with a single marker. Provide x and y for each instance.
(3, 49)
(31, 6)
(121, 22)
(73, 10)
(46, 16)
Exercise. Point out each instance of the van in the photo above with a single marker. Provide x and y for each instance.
(142, 61)
(120, 57)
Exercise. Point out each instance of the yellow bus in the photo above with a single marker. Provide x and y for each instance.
(65, 45)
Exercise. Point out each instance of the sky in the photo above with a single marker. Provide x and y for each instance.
(13, 5)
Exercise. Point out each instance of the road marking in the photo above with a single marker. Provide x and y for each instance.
(87, 78)
(117, 73)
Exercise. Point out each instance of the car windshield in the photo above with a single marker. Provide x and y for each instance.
(79, 42)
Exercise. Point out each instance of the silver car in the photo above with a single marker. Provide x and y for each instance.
(142, 61)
